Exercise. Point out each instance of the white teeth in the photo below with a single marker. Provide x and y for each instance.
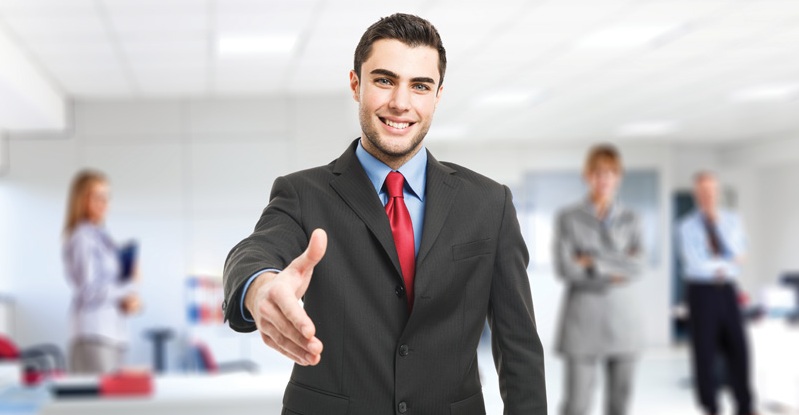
(398, 125)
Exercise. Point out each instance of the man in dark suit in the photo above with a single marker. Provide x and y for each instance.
(409, 256)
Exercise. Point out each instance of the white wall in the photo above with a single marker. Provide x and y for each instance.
(190, 177)
(765, 172)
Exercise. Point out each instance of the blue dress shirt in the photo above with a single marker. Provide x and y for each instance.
(415, 173)
(699, 262)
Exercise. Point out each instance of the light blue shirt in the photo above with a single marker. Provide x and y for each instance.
(415, 173)
(699, 262)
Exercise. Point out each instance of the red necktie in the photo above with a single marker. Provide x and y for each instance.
(402, 228)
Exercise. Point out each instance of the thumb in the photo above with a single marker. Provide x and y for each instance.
(317, 246)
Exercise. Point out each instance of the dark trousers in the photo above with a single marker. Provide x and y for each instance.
(717, 330)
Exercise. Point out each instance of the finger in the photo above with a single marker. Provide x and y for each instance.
(290, 309)
(307, 352)
(278, 323)
(271, 343)
(302, 356)
(317, 246)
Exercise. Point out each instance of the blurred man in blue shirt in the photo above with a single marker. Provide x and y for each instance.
(712, 245)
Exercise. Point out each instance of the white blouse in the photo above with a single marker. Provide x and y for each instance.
(93, 268)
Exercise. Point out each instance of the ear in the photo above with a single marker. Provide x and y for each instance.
(355, 86)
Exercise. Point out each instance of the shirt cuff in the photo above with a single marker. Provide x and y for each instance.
(244, 314)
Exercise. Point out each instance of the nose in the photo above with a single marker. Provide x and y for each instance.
(400, 99)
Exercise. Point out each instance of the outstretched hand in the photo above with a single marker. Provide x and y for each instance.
(273, 300)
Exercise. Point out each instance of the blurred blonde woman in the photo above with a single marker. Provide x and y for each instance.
(101, 301)
(598, 253)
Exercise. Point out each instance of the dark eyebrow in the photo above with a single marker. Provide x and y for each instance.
(423, 79)
(386, 72)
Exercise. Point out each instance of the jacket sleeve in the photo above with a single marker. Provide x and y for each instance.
(627, 263)
(564, 252)
(517, 349)
(278, 238)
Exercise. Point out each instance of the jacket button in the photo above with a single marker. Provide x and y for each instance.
(400, 291)
(403, 350)
(402, 407)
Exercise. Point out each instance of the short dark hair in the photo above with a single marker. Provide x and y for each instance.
(408, 29)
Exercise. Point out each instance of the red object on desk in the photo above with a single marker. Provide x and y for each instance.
(127, 384)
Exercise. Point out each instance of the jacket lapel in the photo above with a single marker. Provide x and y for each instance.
(353, 186)
(442, 187)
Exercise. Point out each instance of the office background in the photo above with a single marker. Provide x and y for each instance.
(192, 133)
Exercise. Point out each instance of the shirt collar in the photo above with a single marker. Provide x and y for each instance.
(589, 207)
(414, 170)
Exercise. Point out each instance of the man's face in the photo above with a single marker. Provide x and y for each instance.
(706, 191)
(397, 92)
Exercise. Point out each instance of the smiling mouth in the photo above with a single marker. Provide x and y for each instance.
(397, 125)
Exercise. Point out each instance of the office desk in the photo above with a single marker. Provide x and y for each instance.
(239, 394)
(775, 363)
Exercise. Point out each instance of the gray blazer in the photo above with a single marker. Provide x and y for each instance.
(378, 358)
(598, 317)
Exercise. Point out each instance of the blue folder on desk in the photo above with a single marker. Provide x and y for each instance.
(127, 258)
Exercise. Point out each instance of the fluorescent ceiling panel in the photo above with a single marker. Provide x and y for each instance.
(625, 37)
(510, 98)
(765, 93)
(243, 46)
(647, 129)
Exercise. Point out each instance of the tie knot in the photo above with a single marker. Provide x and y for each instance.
(394, 183)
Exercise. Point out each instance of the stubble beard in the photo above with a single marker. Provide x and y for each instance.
(386, 154)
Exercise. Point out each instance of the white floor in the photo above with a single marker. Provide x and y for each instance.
(662, 383)
(662, 386)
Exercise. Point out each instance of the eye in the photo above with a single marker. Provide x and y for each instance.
(383, 81)
(421, 87)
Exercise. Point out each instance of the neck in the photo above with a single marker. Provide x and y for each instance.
(395, 162)
(601, 204)
(709, 212)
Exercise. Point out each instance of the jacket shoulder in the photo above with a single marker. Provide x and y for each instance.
(627, 214)
(312, 172)
(313, 178)
(571, 210)
(471, 177)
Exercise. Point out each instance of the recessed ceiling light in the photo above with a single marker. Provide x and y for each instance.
(647, 129)
(246, 46)
(510, 98)
(772, 92)
(625, 37)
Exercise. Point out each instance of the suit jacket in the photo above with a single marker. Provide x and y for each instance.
(598, 318)
(378, 358)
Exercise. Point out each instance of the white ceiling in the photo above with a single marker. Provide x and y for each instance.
(518, 69)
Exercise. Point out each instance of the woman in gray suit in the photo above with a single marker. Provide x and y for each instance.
(598, 254)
